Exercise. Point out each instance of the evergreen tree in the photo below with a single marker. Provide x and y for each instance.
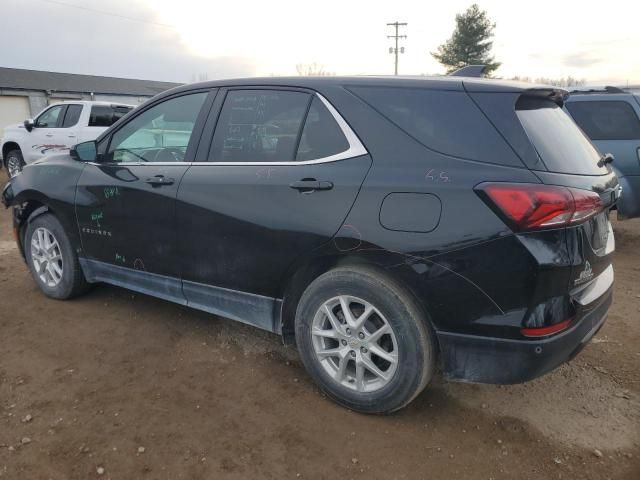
(470, 43)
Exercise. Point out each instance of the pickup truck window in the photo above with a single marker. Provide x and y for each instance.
(72, 116)
(106, 115)
(49, 118)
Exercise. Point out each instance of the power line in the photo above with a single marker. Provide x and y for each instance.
(103, 12)
(396, 37)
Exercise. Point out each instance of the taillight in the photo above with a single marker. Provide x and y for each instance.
(545, 331)
(526, 206)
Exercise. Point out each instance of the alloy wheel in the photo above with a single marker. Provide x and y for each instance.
(47, 257)
(354, 343)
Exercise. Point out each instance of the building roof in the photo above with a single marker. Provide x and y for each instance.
(17, 78)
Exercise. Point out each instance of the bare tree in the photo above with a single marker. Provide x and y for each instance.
(556, 82)
(312, 69)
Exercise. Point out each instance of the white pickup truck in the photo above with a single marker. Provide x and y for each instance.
(56, 129)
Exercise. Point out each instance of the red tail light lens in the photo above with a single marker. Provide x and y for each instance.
(544, 331)
(527, 206)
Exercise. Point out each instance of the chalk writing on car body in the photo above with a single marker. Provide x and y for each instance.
(110, 192)
(96, 217)
(439, 176)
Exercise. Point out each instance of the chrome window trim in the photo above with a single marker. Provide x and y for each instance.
(356, 149)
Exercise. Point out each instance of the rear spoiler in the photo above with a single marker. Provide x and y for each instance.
(557, 95)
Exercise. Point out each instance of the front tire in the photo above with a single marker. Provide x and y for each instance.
(52, 260)
(364, 340)
(14, 163)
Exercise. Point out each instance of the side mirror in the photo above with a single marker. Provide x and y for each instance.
(29, 124)
(85, 151)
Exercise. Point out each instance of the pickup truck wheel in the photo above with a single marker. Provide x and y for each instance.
(14, 163)
(364, 340)
(52, 260)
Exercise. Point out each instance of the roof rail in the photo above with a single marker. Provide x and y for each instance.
(469, 71)
(605, 89)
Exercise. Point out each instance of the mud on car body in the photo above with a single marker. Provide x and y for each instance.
(389, 226)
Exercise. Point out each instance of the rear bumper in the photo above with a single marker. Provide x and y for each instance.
(478, 359)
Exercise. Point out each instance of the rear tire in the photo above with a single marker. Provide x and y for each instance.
(14, 163)
(52, 259)
(352, 362)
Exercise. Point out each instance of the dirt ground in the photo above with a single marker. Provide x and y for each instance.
(124, 386)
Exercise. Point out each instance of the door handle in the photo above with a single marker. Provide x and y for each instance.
(49, 135)
(308, 185)
(159, 180)
(72, 136)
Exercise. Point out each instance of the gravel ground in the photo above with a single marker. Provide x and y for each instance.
(121, 385)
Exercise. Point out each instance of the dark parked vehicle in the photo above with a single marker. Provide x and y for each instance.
(610, 117)
(388, 225)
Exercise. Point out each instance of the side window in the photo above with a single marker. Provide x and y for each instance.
(445, 121)
(160, 134)
(321, 135)
(106, 115)
(259, 126)
(49, 119)
(606, 120)
(72, 116)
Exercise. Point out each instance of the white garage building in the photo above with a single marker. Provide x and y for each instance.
(25, 93)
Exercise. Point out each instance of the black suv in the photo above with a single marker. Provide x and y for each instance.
(388, 225)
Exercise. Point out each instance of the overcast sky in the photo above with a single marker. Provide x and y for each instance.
(179, 40)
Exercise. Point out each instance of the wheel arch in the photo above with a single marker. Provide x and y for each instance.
(306, 273)
(24, 214)
(6, 148)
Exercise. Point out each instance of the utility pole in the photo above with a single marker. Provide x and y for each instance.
(396, 37)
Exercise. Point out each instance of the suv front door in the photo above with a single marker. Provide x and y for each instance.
(125, 203)
(274, 181)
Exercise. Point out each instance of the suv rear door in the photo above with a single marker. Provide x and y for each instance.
(275, 180)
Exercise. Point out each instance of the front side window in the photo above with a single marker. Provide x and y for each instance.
(49, 119)
(321, 136)
(72, 116)
(106, 115)
(160, 134)
(606, 120)
(259, 126)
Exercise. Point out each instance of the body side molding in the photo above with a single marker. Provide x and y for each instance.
(256, 310)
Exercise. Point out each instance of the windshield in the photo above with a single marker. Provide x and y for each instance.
(562, 146)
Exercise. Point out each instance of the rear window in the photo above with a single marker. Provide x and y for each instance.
(561, 145)
(445, 121)
(106, 115)
(606, 120)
